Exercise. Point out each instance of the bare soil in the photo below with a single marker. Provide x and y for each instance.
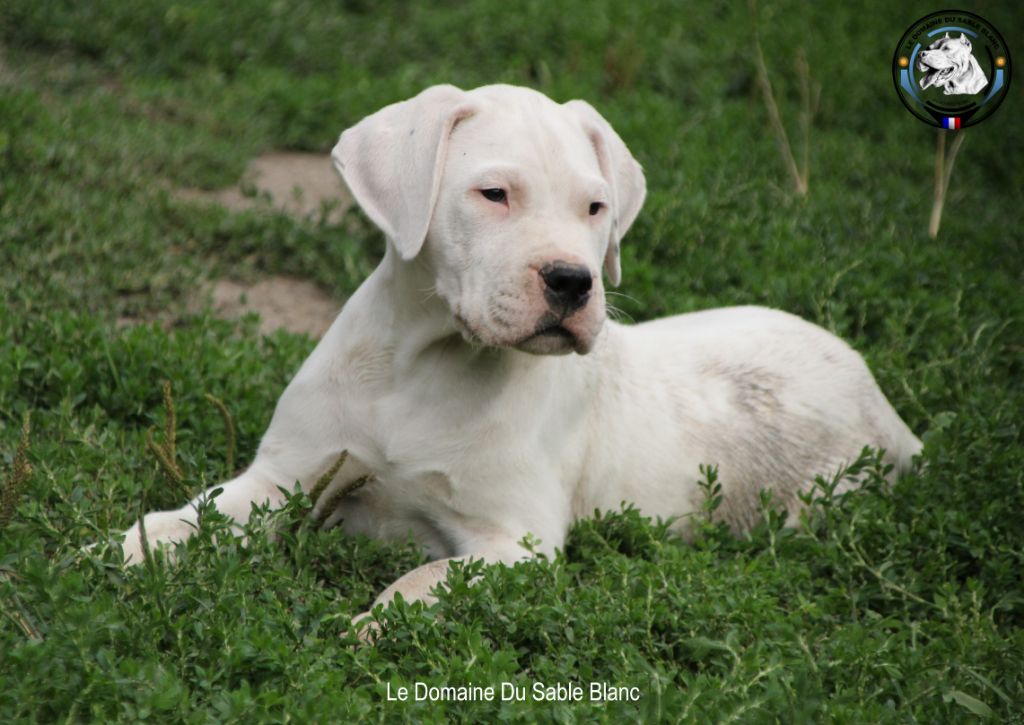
(281, 302)
(301, 185)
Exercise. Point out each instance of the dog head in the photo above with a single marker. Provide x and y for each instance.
(949, 64)
(513, 201)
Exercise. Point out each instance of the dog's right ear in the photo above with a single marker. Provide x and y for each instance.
(391, 162)
(624, 175)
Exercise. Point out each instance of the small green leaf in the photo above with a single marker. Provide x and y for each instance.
(968, 702)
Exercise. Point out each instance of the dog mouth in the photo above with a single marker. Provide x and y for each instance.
(550, 340)
(554, 331)
(551, 326)
(550, 336)
(937, 66)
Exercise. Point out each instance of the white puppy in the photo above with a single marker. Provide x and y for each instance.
(474, 374)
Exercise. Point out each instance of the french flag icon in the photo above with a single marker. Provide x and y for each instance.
(951, 122)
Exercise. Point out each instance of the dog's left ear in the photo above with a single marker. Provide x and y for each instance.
(623, 174)
(391, 162)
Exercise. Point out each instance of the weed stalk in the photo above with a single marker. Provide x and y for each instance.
(229, 425)
(943, 173)
(335, 500)
(325, 480)
(165, 453)
(18, 476)
(809, 97)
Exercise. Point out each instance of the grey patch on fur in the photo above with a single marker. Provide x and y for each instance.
(774, 447)
(754, 389)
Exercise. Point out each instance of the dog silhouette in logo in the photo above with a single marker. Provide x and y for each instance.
(949, 65)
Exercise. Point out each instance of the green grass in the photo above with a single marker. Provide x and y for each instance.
(891, 604)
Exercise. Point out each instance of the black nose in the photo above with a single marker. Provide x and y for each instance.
(568, 285)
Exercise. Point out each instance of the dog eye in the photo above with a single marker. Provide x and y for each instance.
(498, 196)
(595, 207)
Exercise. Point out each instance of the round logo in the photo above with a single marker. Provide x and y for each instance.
(952, 69)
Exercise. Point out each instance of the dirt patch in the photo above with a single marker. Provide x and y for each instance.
(300, 184)
(304, 186)
(281, 302)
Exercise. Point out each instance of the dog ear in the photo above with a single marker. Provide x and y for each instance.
(391, 162)
(623, 174)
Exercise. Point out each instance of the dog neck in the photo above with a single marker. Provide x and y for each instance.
(402, 312)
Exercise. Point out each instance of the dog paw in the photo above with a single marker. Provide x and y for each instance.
(162, 529)
(365, 628)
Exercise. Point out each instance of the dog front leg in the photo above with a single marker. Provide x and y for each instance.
(302, 442)
(235, 500)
